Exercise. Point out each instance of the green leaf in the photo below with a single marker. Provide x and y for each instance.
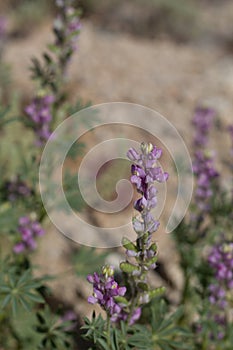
(151, 261)
(156, 292)
(129, 268)
(121, 300)
(25, 304)
(153, 247)
(35, 297)
(127, 244)
(6, 301)
(103, 344)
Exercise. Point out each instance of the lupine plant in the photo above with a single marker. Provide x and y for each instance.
(136, 315)
(204, 241)
(134, 299)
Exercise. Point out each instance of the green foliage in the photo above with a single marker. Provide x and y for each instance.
(19, 290)
(94, 328)
(54, 331)
(86, 260)
(72, 192)
(161, 332)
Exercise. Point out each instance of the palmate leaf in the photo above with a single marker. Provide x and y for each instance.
(167, 334)
(163, 332)
(19, 291)
(141, 338)
(54, 331)
(94, 328)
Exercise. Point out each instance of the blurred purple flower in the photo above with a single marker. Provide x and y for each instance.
(135, 316)
(40, 117)
(71, 317)
(202, 120)
(204, 169)
(220, 260)
(203, 164)
(29, 230)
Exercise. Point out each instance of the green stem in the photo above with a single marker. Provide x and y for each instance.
(186, 288)
(108, 332)
(205, 343)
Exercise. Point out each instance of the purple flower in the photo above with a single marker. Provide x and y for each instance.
(105, 292)
(71, 317)
(28, 230)
(135, 316)
(19, 248)
(40, 117)
(133, 155)
(220, 260)
(203, 165)
(202, 120)
(203, 168)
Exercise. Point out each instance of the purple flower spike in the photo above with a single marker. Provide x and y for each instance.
(145, 171)
(203, 120)
(140, 256)
(203, 165)
(220, 260)
(203, 168)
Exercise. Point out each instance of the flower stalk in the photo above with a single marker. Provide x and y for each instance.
(141, 256)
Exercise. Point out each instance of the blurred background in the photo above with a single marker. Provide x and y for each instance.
(166, 54)
(169, 55)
